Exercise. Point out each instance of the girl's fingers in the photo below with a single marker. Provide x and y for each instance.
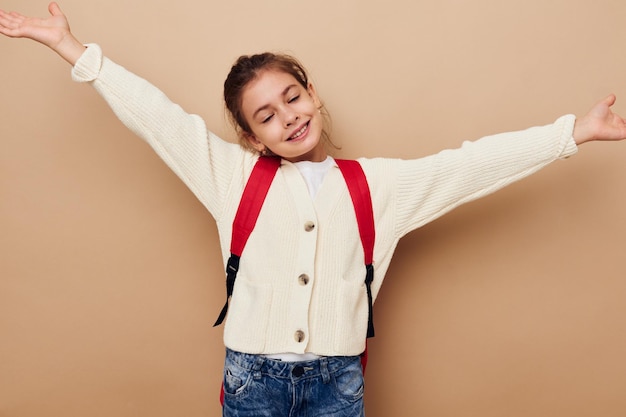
(12, 15)
(11, 19)
(10, 25)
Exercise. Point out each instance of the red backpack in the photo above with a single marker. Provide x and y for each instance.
(249, 208)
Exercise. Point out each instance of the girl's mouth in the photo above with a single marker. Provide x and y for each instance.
(300, 132)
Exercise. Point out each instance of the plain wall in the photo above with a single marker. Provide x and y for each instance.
(110, 272)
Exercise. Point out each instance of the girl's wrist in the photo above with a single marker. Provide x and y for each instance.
(70, 49)
(579, 134)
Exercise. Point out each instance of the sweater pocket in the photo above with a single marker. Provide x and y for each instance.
(351, 324)
(248, 315)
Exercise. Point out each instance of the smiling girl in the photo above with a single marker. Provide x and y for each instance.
(298, 318)
(284, 116)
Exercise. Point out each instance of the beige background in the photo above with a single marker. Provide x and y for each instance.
(110, 276)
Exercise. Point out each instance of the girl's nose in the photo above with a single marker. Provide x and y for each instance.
(290, 118)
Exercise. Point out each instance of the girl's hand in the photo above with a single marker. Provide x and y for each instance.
(54, 31)
(600, 123)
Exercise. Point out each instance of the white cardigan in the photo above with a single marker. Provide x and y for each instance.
(271, 310)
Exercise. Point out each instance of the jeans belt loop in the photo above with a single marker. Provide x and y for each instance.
(324, 370)
(256, 368)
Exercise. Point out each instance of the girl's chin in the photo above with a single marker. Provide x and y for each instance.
(315, 154)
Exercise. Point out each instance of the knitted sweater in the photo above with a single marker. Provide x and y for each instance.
(273, 310)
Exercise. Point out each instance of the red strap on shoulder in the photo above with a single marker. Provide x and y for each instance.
(362, 202)
(252, 200)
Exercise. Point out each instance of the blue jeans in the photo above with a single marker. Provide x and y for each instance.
(255, 386)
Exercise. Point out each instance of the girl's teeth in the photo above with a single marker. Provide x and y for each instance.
(299, 133)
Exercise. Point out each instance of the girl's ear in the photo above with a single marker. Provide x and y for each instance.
(254, 142)
(311, 90)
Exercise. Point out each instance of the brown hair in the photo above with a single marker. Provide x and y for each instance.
(246, 69)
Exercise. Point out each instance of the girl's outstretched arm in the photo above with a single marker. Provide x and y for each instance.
(54, 31)
(200, 158)
(600, 123)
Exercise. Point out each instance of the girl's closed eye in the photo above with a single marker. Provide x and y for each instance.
(295, 98)
(267, 119)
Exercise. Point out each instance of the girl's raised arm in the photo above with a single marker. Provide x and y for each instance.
(201, 159)
(54, 31)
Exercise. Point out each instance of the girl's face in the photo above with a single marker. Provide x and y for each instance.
(284, 117)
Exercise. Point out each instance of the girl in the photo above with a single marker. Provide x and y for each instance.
(298, 318)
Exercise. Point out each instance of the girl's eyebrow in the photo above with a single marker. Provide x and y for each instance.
(284, 93)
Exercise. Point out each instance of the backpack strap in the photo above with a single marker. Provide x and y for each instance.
(362, 202)
(248, 211)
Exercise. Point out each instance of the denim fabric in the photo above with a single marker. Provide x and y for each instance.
(255, 386)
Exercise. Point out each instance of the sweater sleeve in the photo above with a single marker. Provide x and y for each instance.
(429, 187)
(201, 160)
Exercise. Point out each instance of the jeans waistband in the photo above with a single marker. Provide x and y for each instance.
(323, 366)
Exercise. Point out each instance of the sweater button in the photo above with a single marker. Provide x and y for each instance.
(299, 336)
(303, 279)
(308, 226)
